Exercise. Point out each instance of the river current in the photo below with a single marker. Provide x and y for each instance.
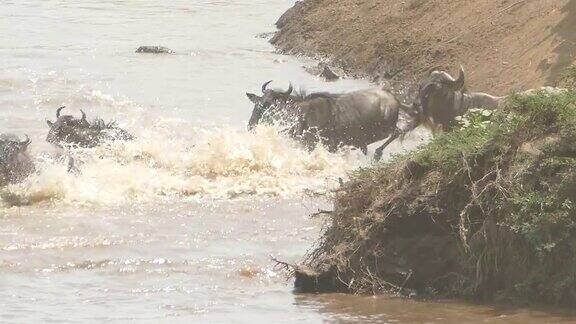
(178, 225)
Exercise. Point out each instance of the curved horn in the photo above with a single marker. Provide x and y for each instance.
(434, 68)
(24, 144)
(459, 83)
(83, 116)
(265, 85)
(58, 111)
(289, 91)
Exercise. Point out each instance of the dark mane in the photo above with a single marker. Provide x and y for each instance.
(99, 124)
(302, 95)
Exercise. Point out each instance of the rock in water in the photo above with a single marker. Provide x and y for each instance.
(154, 50)
(328, 74)
(325, 71)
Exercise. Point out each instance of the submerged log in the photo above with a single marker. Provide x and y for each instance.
(154, 50)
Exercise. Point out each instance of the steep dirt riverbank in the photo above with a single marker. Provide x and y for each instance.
(483, 212)
(504, 45)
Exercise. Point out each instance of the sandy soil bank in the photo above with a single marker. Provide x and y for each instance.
(504, 45)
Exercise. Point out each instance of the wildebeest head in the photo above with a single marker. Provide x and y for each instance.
(10, 144)
(68, 129)
(262, 104)
(15, 163)
(439, 96)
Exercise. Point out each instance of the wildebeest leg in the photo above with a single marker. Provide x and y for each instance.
(311, 138)
(333, 146)
(378, 152)
(364, 149)
(72, 166)
(308, 139)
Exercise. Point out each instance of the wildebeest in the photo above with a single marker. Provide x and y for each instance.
(15, 163)
(356, 119)
(70, 131)
(443, 98)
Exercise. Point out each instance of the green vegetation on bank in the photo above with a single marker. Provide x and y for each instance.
(568, 78)
(487, 211)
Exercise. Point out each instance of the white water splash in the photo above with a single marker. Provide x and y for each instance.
(220, 163)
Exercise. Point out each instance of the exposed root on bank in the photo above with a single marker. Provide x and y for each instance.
(472, 214)
(307, 280)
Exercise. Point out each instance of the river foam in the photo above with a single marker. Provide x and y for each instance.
(219, 163)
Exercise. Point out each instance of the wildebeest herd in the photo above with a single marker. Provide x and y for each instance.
(356, 119)
(66, 131)
(364, 117)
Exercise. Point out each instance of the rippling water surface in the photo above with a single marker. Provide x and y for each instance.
(178, 225)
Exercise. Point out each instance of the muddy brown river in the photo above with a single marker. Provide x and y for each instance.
(178, 225)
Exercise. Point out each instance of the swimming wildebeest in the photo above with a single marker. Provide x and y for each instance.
(443, 98)
(68, 130)
(356, 119)
(15, 163)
